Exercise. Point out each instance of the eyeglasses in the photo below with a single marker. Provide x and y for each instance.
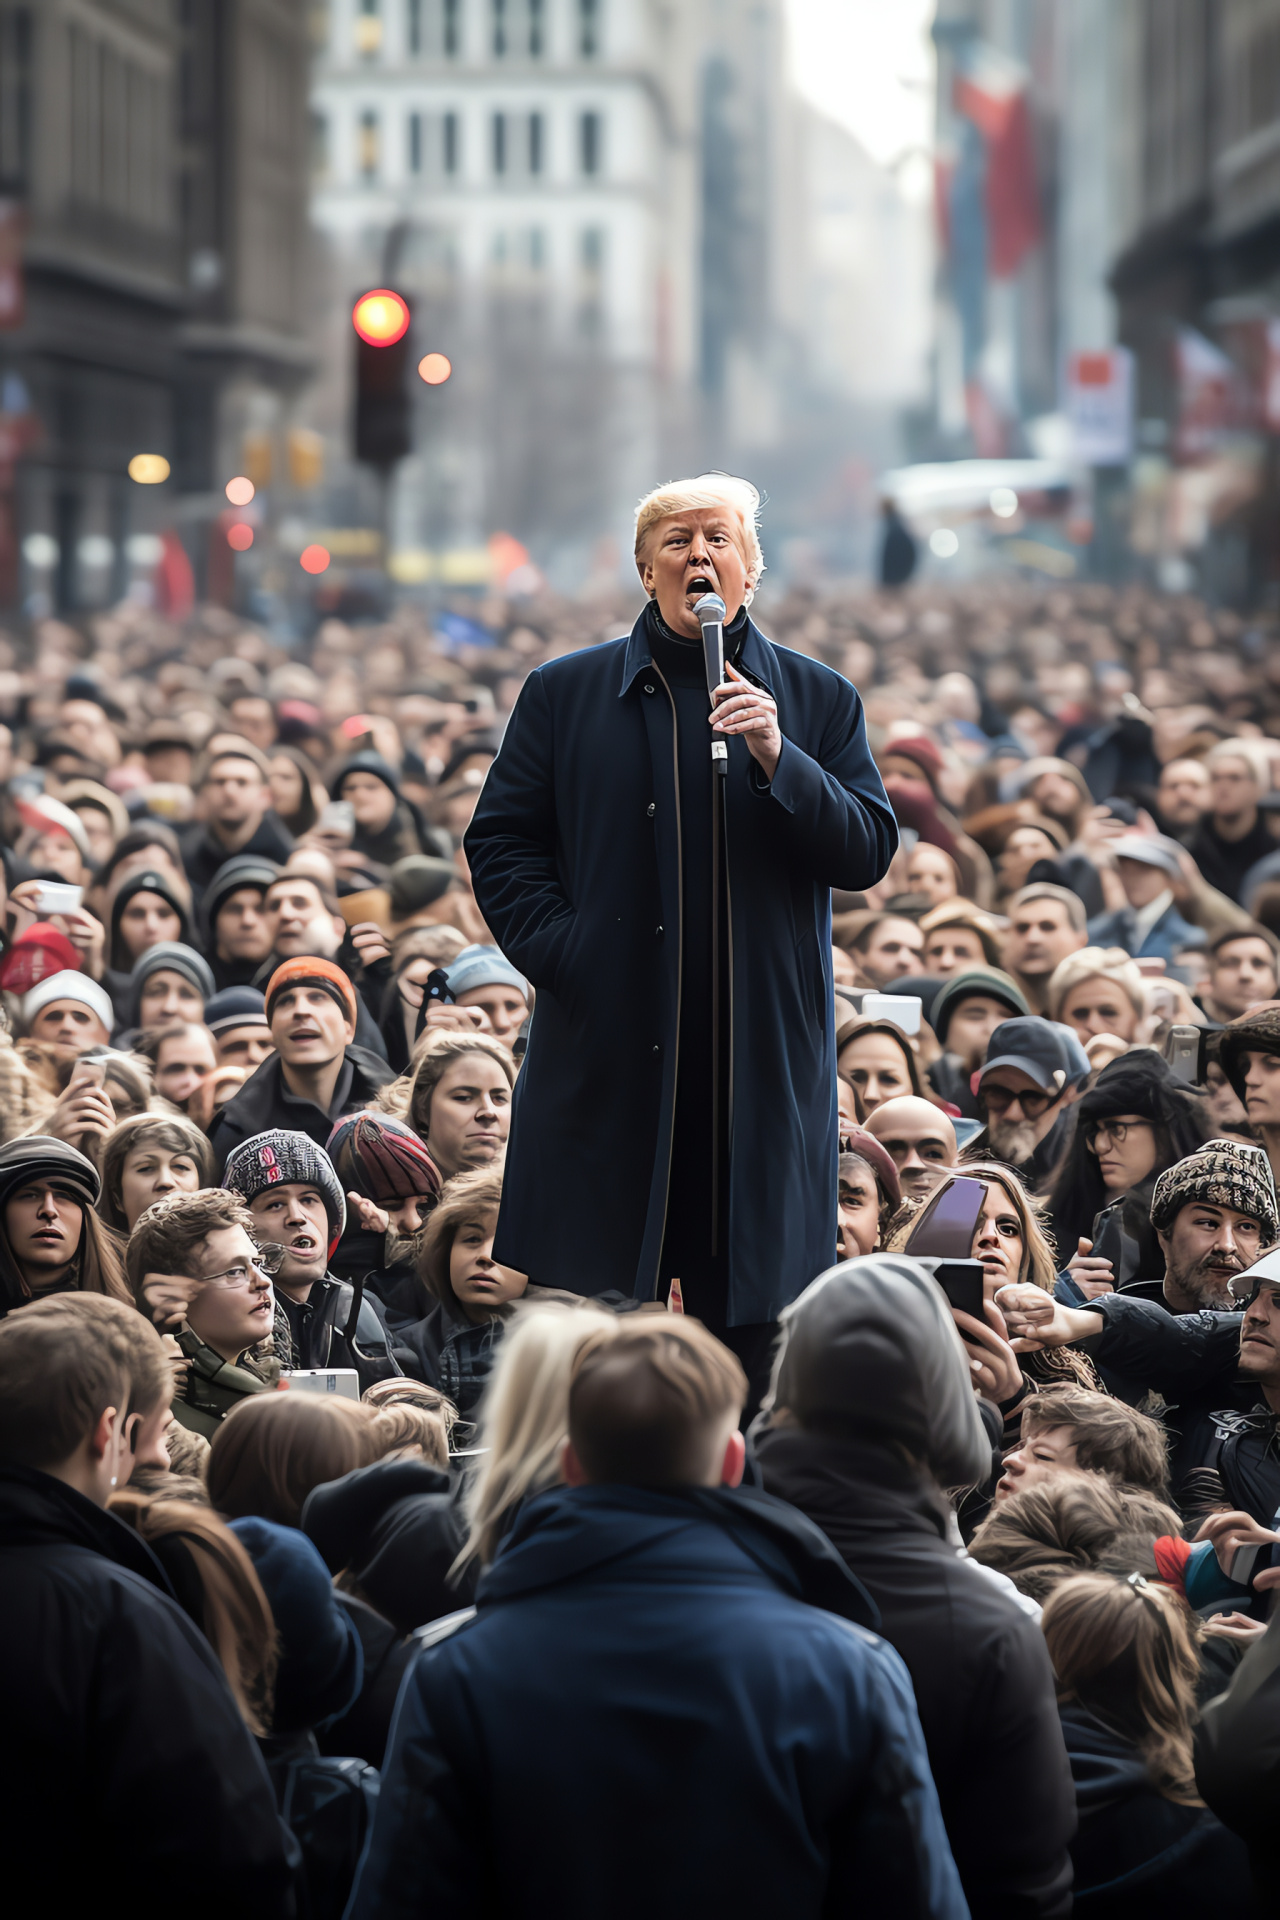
(270, 1258)
(1114, 1131)
(999, 1100)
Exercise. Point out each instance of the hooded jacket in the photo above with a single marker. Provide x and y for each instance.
(651, 1709)
(119, 1721)
(1238, 1755)
(872, 1365)
(1138, 1856)
(396, 1526)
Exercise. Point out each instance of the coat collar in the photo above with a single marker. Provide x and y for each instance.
(756, 659)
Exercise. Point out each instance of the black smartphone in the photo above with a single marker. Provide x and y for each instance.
(946, 1227)
(1108, 1237)
(961, 1281)
(438, 989)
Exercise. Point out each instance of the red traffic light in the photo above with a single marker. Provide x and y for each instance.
(380, 318)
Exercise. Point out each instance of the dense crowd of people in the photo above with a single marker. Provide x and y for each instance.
(346, 1568)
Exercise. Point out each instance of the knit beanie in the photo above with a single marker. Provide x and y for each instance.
(367, 762)
(69, 985)
(1223, 1173)
(307, 969)
(149, 880)
(382, 1158)
(279, 1158)
(1259, 1033)
(973, 981)
(38, 1156)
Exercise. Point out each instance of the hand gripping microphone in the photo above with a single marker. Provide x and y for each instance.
(710, 611)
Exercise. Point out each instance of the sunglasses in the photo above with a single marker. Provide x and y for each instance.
(999, 1100)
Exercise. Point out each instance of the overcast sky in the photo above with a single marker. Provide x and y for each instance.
(869, 64)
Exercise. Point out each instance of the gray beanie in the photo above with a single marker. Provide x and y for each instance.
(279, 1158)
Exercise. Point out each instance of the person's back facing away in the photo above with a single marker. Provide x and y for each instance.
(645, 1716)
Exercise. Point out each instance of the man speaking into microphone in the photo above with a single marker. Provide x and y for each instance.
(675, 1116)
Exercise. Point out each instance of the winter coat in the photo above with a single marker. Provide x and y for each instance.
(318, 1338)
(575, 857)
(1168, 936)
(1238, 1756)
(1218, 1421)
(396, 1527)
(203, 853)
(983, 1684)
(646, 1715)
(450, 1353)
(130, 1774)
(1138, 1856)
(212, 1388)
(321, 1663)
(264, 1101)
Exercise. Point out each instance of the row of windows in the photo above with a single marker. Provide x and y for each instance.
(517, 144)
(514, 29)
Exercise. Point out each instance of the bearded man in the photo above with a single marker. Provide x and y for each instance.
(675, 1117)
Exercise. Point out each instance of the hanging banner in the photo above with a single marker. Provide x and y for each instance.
(1099, 406)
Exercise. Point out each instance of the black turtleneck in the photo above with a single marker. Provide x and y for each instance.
(687, 1247)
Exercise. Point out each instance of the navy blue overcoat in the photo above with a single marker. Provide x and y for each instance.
(575, 853)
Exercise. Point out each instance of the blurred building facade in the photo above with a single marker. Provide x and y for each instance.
(153, 259)
(603, 211)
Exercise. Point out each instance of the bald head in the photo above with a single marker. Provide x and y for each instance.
(919, 1138)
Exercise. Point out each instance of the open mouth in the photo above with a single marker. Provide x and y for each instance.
(302, 1243)
(700, 584)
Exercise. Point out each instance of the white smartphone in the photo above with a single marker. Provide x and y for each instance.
(902, 1008)
(56, 896)
(344, 1380)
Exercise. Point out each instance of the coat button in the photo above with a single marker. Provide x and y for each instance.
(648, 688)
(651, 809)
(656, 1052)
(658, 931)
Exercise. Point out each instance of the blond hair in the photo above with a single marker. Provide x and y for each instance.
(524, 1418)
(1102, 963)
(707, 491)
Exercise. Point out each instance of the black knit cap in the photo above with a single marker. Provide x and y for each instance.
(1260, 1033)
(38, 1156)
(1140, 1083)
(368, 762)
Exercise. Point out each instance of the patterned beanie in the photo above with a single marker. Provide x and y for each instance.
(382, 1158)
(1222, 1173)
(279, 1158)
(1258, 1033)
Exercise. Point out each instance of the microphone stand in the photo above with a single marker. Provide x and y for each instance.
(710, 612)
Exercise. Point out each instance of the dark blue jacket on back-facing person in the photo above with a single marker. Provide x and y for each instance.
(662, 1703)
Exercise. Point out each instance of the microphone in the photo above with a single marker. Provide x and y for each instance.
(710, 611)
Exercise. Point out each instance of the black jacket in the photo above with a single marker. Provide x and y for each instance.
(1238, 1756)
(1220, 1423)
(1138, 1856)
(128, 1772)
(318, 1332)
(203, 854)
(983, 1684)
(264, 1101)
(397, 1528)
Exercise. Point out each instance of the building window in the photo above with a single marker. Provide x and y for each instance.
(319, 146)
(537, 142)
(499, 29)
(367, 147)
(590, 141)
(450, 142)
(413, 25)
(499, 142)
(368, 29)
(588, 28)
(452, 28)
(415, 143)
(537, 29)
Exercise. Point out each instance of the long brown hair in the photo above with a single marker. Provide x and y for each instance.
(273, 1448)
(438, 1053)
(467, 1198)
(97, 1265)
(1123, 1650)
(236, 1616)
(1072, 1524)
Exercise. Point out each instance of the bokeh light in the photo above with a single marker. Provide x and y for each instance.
(313, 559)
(240, 537)
(944, 543)
(435, 369)
(240, 491)
(148, 469)
(380, 318)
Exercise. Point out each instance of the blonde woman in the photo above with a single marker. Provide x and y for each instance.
(524, 1421)
(1098, 990)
